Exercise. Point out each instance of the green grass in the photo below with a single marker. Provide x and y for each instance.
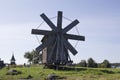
(39, 73)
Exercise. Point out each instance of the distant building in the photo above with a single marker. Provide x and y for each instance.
(12, 61)
(2, 64)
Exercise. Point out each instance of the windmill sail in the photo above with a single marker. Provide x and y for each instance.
(57, 40)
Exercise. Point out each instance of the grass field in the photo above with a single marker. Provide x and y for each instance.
(38, 73)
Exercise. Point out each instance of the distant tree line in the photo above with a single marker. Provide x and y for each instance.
(92, 64)
(34, 58)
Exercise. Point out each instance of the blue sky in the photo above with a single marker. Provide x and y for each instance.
(99, 23)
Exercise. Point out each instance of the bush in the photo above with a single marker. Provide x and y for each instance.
(82, 63)
(91, 63)
(105, 64)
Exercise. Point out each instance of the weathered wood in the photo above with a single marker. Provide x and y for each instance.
(70, 26)
(41, 32)
(70, 47)
(52, 53)
(75, 37)
(49, 22)
(57, 43)
(48, 42)
(58, 48)
(59, 20)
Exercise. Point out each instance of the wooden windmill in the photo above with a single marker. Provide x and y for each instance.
(56, 41)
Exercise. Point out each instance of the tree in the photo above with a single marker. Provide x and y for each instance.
(91, 63)
(28, 56)
(106, 64)
(83, 63)
(33, 57)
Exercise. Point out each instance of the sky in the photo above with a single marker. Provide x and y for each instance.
(99, 23)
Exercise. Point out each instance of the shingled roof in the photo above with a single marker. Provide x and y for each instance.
(13, 58)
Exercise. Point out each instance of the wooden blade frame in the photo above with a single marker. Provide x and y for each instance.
(50, 57)
(70, 47)
(59, 21)
(42, 32)
(49, 22)
(70, 26)
(74, 37)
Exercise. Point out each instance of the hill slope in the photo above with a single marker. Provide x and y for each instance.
(38, 73)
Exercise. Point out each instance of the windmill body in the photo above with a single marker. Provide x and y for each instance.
(55, 43)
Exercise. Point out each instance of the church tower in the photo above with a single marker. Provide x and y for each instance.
(12, 61)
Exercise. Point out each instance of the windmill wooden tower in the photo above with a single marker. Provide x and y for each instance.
(55, 43)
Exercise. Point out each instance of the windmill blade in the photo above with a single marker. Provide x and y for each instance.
(45, 44)
(49, 22)
(67, 54)
(70, 26)
(53, 50)
(41, 32)
(69, 46)
(58, 48)
(59, 20)
(75, 37)
(62, 49)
